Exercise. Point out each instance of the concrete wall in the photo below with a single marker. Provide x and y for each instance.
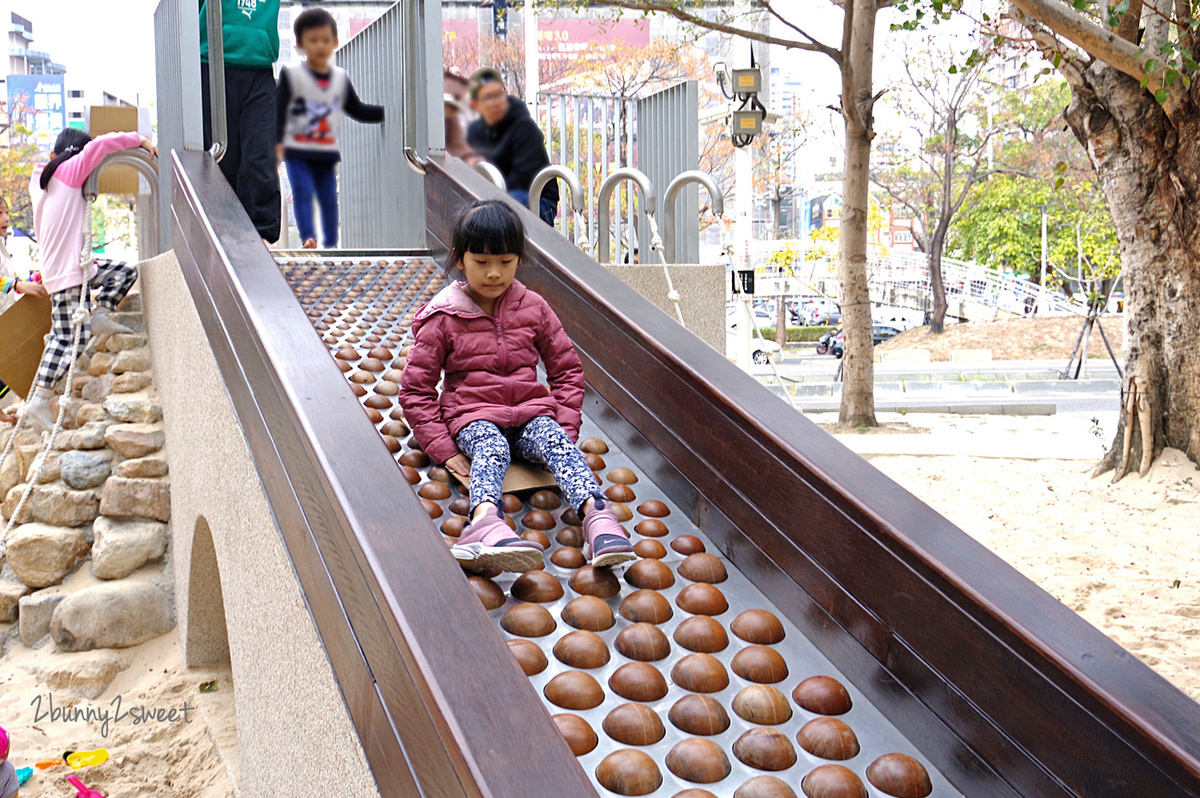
(701, 289)
(294, 733)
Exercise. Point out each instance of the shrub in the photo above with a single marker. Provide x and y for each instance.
(796, 335)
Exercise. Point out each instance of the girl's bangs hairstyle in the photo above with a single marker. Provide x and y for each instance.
(487, 227)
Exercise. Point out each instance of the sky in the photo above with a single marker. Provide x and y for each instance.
(105, 44)
(109, 45)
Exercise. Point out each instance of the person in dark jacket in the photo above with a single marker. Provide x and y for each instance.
(251, 41)
(506, 136)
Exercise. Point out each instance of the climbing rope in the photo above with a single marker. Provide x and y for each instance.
(80, 315)
(581, 228)
(656, 244)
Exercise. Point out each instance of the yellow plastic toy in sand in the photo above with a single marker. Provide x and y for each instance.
(82, 759)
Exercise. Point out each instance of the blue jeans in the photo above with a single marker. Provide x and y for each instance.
(319, 179)
(549, 208)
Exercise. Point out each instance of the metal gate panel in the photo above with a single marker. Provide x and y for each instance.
(668, 143)
(177, 67)
(392, 64)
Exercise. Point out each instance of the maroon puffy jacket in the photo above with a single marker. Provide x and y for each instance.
(490, 365)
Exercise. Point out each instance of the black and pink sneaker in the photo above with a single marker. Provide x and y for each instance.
(605, 542)
(489, 543)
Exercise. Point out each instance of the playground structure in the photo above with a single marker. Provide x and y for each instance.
(304, 556)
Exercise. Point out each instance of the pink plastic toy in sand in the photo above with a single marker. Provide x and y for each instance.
(83, 790)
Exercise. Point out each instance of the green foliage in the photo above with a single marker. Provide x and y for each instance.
(1002, 226)
(796, 335)
(16, 165)
(926, 12)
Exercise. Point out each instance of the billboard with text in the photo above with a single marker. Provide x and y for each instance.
(38, 102)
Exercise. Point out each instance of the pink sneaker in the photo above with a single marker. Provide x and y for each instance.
(605, 542)
(489, 543)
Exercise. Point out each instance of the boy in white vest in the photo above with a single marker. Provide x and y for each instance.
(312, 99)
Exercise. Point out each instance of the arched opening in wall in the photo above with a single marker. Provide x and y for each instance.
(206, 649)
(207, 638)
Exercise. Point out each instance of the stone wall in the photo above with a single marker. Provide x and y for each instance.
(102, 501)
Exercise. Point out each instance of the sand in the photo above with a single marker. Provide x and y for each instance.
(179, 759)
(1122, 556)
(1050, 338)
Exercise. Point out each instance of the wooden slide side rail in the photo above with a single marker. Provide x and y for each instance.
(1015, 694)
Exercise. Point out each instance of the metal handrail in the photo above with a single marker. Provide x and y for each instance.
(606, 189)
(543, 178)
(491, 173)
(216, 80)
(141, 161)
(673, 189)
(413, 88)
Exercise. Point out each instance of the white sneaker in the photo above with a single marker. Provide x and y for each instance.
(36, 412)
(103, 325)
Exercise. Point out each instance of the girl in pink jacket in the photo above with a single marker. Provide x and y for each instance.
(59, 213)
(486, 334)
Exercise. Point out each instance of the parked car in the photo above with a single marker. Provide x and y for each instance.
(823, 312)
(761, 317)
(895, 317)
(762, 350)
(880, 333)
(883, 332)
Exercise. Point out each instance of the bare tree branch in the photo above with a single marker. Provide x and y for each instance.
(916, 212)
(663, 7)
(788, 23)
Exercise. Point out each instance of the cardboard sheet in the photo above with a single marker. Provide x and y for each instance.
(23, 328)
(523, 475)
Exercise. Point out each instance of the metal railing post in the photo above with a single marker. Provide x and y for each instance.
(142, 162)
(491, 173)
(216, 79)
(673, 189)
(413, 107)
(606, 192)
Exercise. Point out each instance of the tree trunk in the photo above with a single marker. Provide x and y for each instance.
(781, 320)
(1149, 167)
(937, 245)
(781, 314)
(858, 360)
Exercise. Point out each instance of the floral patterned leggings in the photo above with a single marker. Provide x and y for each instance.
(541, 441)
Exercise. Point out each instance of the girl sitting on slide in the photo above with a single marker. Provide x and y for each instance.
(486, 333)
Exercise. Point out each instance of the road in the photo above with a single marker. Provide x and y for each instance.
(1014, 387)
